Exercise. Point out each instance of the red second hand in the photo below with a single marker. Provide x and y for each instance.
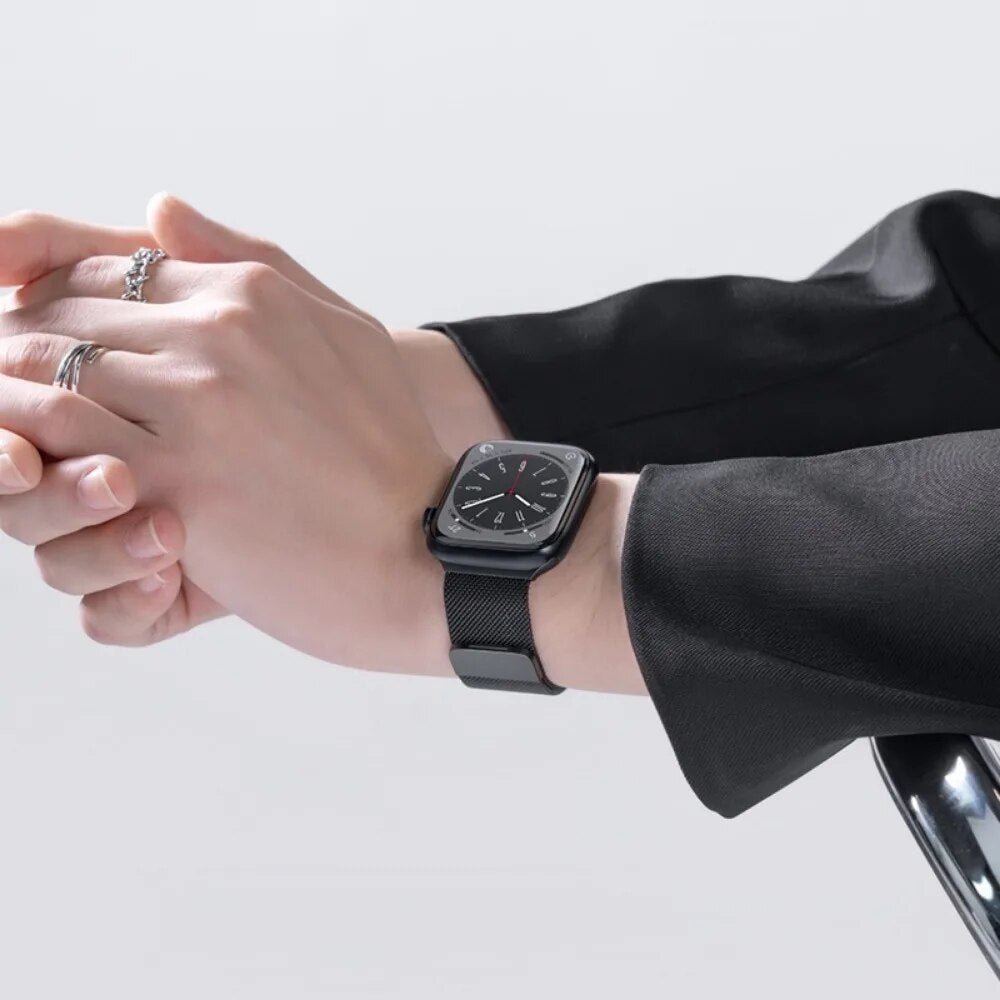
(513, 485)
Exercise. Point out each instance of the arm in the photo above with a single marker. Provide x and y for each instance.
(777, 609)
(728, 570)
(895, 338)
(451, 395)
(773, 619)
(885, 342)
(780, 608)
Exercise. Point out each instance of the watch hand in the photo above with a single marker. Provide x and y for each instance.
(517, 496)
(473, 503)
(513, 485)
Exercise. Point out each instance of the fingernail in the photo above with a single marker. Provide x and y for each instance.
(96, 493)
(10, 474)
(150, 583)
(142, 541)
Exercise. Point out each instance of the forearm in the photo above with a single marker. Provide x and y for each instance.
(891, 340)
(449, 392)
(780, 607)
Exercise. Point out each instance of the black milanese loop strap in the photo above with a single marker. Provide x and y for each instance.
(490, 626)
(488, 611)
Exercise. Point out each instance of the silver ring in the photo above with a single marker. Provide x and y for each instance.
(138, 272)
(68, 372)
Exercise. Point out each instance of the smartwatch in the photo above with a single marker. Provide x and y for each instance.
(508, 514)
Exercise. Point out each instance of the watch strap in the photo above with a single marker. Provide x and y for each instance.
(490, 625)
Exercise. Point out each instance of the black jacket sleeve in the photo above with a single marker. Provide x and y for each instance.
(783, 600)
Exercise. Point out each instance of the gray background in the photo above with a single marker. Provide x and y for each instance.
(222, 817)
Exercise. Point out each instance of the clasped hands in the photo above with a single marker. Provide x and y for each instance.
(249, 443)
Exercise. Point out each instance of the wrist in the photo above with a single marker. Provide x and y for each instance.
(577, 610)
(413, 629)
(449, 392)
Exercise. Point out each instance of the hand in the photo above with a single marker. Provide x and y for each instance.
(130, 601)
(33, 244)
(584, 590)
(281, 428)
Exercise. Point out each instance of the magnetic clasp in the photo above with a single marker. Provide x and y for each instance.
(501, 669)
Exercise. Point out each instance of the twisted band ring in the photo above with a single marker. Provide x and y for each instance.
(68, 372)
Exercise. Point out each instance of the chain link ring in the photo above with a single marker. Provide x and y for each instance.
(138, 273)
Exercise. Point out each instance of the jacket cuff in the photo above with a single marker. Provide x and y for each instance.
(739, 591)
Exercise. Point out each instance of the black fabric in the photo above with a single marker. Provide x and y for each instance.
(813, 552)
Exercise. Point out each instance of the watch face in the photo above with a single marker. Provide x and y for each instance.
(511, 494)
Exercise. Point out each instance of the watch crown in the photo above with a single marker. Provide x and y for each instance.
(428, 517)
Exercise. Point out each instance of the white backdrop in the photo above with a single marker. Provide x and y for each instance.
(222, 817)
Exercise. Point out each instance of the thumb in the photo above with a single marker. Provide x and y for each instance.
(183, 232)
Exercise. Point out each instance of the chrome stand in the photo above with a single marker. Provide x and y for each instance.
(948, 791)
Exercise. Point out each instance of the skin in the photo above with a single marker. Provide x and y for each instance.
(252, 443)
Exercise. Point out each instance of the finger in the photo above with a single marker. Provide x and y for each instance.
(184, 233)
(136, 326)
(104, 278)
(139, 612)
(120, 381)
(130, 547)
(32, 244)
(20, 464)
(147, 610)
(71, 495)
(62, 423)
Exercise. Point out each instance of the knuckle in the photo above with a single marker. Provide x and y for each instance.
(216, 321)
(160, 629)
(49, 569)
(91, 270)
(54, 315)
(113, 618)
(256, 277)
(27, 218)
(97, 629)
(233, 316)
(31, 357)
(54, 413)
(68, 310)
(21, 530)
(205, 385)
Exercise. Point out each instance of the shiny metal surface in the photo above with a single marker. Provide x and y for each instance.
(138, 272)
(948, 791)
